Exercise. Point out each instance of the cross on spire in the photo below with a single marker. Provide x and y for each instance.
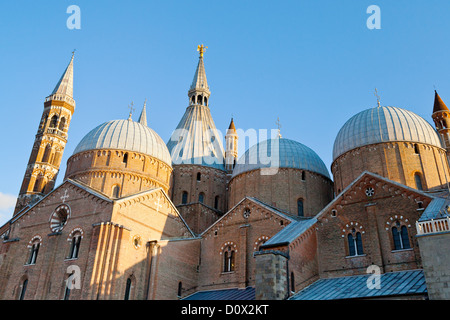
(378, 97)
(279, 126)
(131, 110)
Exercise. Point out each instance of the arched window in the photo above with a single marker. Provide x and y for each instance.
(292, 282)
(216, 202)
(418, 180)
(34, 252)
(75, 246)
(128, 289)
(116, 191)
(62, 124)
(53, 121)
(228, 259)
(416, 149)
(300, 212)
(125, 158)
(206, 101)
(303, 175)
(180, 289)
(193, 100)
(38, 183)
(184, 197)
(199, 99)
(67, 288)
(47, 152)
(201, 197)
(400, 237)
(355, 247)
(23, 289)
(199, 176)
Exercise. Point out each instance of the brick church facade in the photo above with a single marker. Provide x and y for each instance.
(140, 219)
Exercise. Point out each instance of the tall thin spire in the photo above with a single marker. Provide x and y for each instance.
(65, 83)
(143, 117)
(199, 85)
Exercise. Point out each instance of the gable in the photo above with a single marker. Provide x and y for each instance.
(83, 207)
(370, 188)
(152, 213)
(249, 210)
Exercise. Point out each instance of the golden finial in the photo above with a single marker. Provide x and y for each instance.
(201, 49)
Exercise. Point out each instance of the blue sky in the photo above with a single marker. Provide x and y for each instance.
(313, 64)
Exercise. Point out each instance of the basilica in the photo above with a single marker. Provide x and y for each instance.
(138, 218)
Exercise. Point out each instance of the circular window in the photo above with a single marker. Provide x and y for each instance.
(246, 213)
(370, 191)
(59, 218)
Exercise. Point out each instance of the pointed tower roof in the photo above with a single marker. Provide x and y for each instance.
(199, 83)
(439, 105)
(196, 139)
(65, 84)
(143, 117)
(232, 126)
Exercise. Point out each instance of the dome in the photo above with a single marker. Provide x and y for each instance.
(292, 154)
(383, 124)
(126, 135)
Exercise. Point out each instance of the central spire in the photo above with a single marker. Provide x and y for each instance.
(196, 139)
(199, 91)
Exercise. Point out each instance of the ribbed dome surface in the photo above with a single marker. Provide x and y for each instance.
(383, 124)
(281, 153)
(196, 140)
(126, 135)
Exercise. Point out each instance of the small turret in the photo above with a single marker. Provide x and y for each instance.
(231, 150)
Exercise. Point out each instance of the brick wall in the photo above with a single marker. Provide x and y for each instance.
(396, 161)
(283, 190)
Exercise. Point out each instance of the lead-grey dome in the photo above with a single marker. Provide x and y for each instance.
(383, 124)
(126, 135)
(280, 153)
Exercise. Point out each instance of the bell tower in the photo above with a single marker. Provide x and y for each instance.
(441, 118)
(50, 141)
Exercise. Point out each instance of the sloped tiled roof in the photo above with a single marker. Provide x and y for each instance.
(225, 294)
(290, 233)
(401, 283)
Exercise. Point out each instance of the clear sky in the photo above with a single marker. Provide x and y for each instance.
(313, 64)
